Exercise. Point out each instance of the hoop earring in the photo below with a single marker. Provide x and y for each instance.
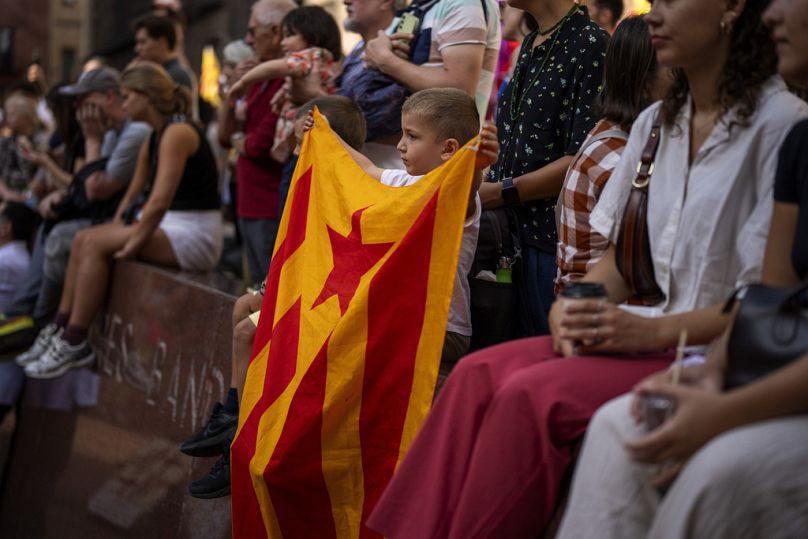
(726, 27)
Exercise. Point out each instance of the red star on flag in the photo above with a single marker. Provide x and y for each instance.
(352, 259)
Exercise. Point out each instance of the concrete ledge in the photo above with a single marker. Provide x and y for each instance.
(113, 469)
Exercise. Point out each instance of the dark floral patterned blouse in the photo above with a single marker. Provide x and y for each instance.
(545, 112)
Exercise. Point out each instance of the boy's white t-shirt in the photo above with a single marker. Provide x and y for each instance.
(460, 308)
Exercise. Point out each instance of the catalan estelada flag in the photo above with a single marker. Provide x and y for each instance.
(347, 349)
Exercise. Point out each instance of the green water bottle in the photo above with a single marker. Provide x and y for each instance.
(504, 270)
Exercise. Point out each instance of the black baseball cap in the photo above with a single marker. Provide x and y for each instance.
(102, 79)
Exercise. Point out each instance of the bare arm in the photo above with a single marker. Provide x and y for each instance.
(605, 328)
(462, 65)
(44, 159)
(606, 272)
(777, 270)
(137, 183)
(101, 186)
(703, 325)
(545, 182)
(178, 143)
(271, 69)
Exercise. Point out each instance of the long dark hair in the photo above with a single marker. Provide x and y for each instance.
(628, 70)
(316, 26)
(751, 62)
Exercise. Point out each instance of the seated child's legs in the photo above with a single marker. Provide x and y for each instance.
(245, 306)
(243, 336)
(455, 346)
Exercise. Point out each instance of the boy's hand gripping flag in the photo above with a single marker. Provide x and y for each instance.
(347, 349)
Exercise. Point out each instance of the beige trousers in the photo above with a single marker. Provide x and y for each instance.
(750, 482)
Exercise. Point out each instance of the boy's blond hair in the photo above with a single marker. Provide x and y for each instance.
(450, 112)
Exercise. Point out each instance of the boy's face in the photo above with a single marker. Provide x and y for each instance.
(420, 149)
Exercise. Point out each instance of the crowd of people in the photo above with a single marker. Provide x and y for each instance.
(567, 99)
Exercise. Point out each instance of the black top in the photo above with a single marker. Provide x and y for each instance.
(791, 187)
(544, 113)
(198, 188)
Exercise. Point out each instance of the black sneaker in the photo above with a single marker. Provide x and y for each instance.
(17, 333)
(215, 435)
(217, 483)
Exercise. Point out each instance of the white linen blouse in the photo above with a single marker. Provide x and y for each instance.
(708, 221)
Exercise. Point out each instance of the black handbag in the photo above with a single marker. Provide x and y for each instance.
(76, 205)
(769, 332)
(498, 309)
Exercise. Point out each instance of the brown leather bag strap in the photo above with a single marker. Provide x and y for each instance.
(645, 168)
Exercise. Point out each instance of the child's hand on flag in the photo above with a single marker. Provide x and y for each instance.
(488, 151)
(308, 125)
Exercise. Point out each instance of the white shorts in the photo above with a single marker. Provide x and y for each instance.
(195, 237)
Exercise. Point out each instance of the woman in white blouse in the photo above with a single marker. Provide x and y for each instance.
(734, 459)
(491, 456)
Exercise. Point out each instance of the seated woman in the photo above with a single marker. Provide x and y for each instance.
(631, 82)
(178, 222)
(737, 458)
(489, 459)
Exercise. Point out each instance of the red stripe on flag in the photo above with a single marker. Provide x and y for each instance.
(295, 235)
(390, 354)
(247, 520)
(294, 475)
(281, 363)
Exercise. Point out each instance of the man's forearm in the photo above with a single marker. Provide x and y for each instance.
(416, 77)
(92, 149)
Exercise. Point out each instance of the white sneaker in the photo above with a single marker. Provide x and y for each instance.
(59, 358)
(41, 344)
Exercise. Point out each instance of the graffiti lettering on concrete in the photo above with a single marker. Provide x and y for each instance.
(182, 388)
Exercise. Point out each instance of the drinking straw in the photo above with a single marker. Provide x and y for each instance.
(680, 352)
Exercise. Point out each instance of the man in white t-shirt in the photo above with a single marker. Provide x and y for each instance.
(435, 124)
(455, 46)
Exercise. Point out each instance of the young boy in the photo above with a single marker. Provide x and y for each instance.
(435, 124)
(214, 438)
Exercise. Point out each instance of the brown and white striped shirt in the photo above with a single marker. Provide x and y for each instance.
(579, 246)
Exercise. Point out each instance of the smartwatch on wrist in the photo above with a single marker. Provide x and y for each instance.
(509, 193)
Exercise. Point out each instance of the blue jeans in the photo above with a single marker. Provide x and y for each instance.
(539, 276)
(258, 239)
(24, 299)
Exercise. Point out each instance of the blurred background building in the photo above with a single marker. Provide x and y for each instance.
(60, 34)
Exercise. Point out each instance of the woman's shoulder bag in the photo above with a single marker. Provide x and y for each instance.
(769, 332)
(633, 254)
